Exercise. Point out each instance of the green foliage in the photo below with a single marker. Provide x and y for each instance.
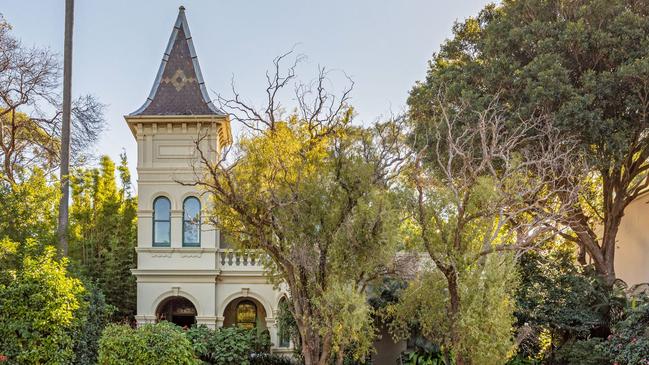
(94, 318)
(163, 343)
(560, 299)
(583, 64)
(386, 292)
(485, 320)
(417, 358)
(426, 353)
(351, 322)
(556, 294)
(629, 342)
(522, 360)
(582, 352)
(227, 345)
(39, 302)
(29, 209)
(103, 232)
(287, 327)
(584, 61)
(272, 359)
(313, 196)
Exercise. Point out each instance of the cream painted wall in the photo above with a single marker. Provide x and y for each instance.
(632, 247)
(166, 157)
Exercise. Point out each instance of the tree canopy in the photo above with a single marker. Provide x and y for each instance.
(582, 63)
(313, 192)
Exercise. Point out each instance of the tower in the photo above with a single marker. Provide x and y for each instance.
(185, 272)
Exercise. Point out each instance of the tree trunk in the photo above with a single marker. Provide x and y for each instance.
(62, 230)
(454, 310)
(340, 357)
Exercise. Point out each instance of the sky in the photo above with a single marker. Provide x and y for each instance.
(383, 45)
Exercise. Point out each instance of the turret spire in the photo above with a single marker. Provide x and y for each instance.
(179, 88)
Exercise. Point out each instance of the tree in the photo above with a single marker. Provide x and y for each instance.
(103, 231)
(314, 194)
(30, 111)
(585, 64)
(64, 177)
(28, 209)
(39, 303)
(482, 191)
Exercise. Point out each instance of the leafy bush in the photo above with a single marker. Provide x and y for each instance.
(426, 353)
(93, 320)
(519, 359)
(162, 344)
(584, 352)
(271, 359)
(38, 305)
(561, 306)
(229, 345)
(629, 342)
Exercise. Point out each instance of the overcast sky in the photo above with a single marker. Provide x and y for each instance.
(382, 45)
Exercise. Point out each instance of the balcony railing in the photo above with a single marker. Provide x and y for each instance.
(236, 260)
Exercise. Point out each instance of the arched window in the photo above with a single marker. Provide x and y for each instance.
(191, 222)
(246, 314)
(161, 222)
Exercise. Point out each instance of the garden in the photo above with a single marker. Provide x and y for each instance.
(478, 227)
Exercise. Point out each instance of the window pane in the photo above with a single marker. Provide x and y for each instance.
(161, 233)
(192, 209)
(161, 209)
(191, 233)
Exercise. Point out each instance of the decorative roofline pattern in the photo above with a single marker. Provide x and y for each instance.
(181, 23)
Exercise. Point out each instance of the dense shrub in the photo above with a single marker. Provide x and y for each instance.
(161, 344)
(629, 342)
(227, 346)
(425, 352)
(561, 306)
(39, 303)
(94, 318)
(272, 359)
(582, 352)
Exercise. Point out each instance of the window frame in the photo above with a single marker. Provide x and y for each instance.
(154, 220)
(200, 206)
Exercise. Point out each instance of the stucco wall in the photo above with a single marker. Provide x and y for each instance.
(632, 247)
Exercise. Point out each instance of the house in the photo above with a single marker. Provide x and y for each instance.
(186, 272)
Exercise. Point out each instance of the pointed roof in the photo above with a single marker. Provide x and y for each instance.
(179, 88)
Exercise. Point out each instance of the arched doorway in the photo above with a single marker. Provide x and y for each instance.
(245, 312)
(178, 310)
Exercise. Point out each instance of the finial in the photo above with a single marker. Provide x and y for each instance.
(181, 8)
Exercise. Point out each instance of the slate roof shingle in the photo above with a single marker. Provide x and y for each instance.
(179, 88)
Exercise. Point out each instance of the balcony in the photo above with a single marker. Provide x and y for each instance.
(230, 261)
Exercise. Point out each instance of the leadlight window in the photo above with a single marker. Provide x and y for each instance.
(246, 314)
(161, 222)
(191, 222)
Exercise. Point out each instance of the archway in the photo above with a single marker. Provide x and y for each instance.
(245, 312)
(178, 310)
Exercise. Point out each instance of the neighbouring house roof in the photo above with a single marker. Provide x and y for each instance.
(179, 88)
